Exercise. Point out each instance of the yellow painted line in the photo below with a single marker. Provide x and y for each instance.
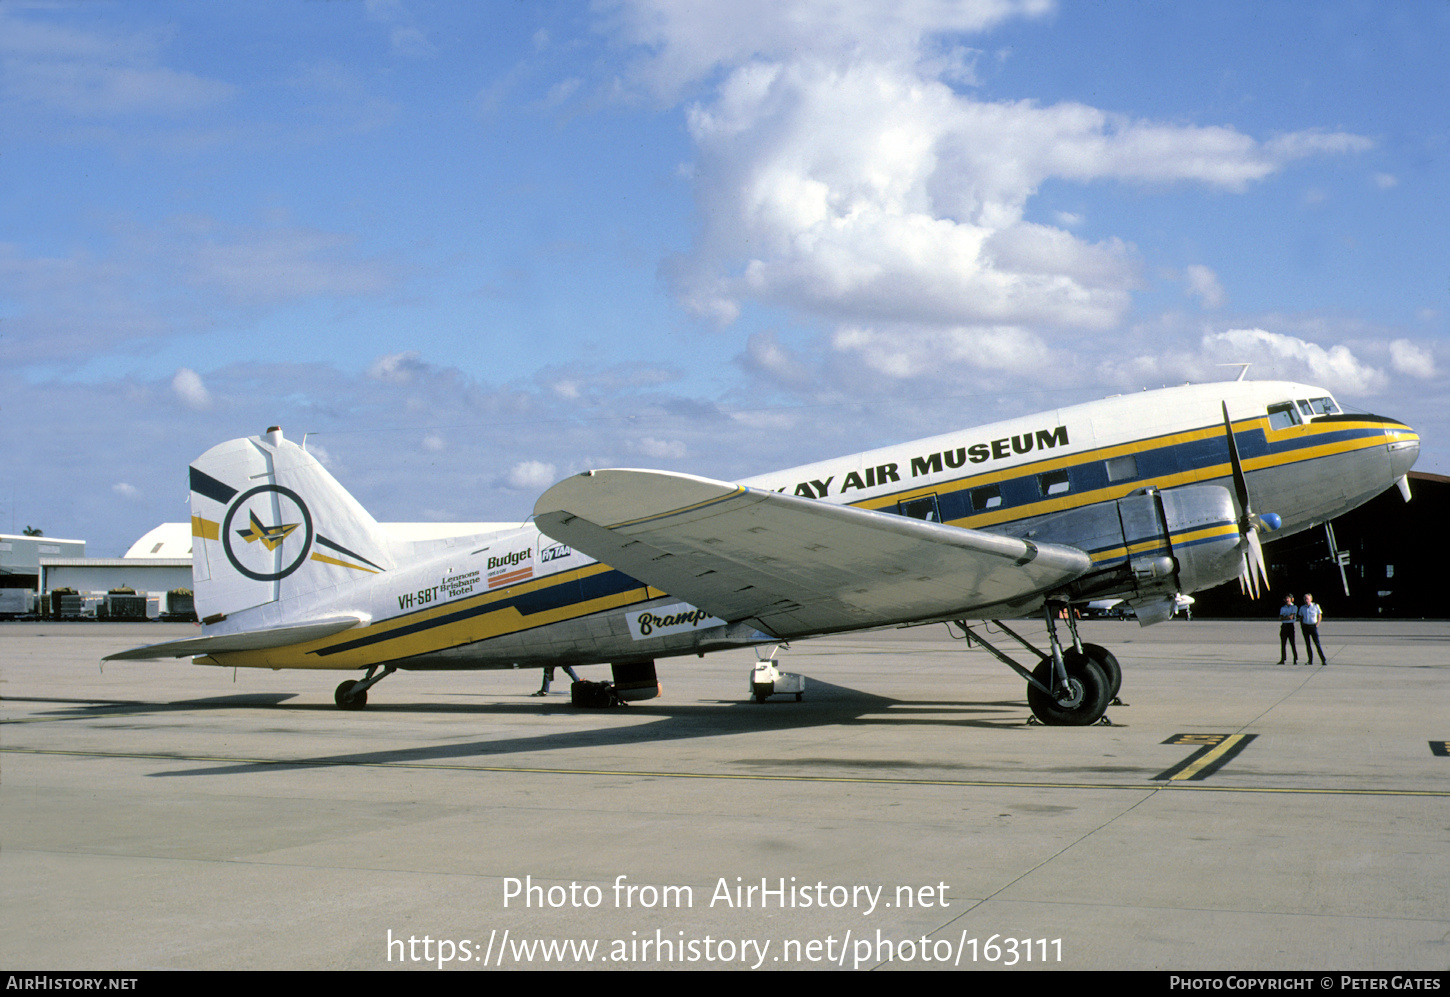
(728, 776)
(205, 528)
(1208, 758)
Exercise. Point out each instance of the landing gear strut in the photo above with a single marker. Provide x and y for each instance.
(353, 694)
(1069, 687)
(1099, 654)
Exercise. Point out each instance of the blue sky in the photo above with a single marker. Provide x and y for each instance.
(477, 247)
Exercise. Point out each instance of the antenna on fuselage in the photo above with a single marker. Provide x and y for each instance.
(1244, 368)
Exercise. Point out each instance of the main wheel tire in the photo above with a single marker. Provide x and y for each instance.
(346, 699)
(1086, 701)
(1108, 664)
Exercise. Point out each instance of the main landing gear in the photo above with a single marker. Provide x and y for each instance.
(1070, 687)
(353, 694)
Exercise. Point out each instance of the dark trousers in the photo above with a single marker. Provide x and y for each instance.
(1286, 641)
(549, 676)
(1311, 633)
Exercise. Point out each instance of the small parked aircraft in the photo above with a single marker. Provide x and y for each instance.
(1142, 497)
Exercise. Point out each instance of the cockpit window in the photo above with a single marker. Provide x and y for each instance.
(1283, 415)
(1323, 406)
(1305, 410)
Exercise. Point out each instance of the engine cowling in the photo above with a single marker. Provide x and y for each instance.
(1181, 540)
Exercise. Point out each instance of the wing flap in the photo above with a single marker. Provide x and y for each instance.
(792, 566)
(247, 640)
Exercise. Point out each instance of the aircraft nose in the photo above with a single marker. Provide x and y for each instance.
(1403, 445)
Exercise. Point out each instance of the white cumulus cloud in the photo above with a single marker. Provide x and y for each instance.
(323, 455)
(661, 449)
(1407, 358)
(1202, 283)
(397, 368)
(687, 41)
(764, 354)
(840, 174)
(530, 475)
(1335, 368)
(901, 354)
(188, 386)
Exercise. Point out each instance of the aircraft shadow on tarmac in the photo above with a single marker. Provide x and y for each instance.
(825, 704)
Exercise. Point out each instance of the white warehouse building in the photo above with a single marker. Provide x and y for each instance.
(160, 561)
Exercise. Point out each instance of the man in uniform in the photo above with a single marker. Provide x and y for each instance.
(1288, 613)
(1309, 616)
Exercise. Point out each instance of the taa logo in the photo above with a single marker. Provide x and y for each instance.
(267, 533)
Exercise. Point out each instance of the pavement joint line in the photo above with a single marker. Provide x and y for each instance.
(1148, 787)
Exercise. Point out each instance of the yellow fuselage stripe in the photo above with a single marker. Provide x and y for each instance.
(1111, 493)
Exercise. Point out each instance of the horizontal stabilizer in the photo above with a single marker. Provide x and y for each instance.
(793, 566)
(247, 640)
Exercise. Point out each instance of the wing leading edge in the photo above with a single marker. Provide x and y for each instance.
(793, 566)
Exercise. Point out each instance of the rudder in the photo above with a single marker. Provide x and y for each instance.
(270, 525)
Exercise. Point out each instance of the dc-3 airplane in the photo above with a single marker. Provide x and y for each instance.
(1140, 497)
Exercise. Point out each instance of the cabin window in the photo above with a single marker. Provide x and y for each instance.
(1283, 415)
(925, 508)
(1053, 482)
(986, 497)
(1122, 468)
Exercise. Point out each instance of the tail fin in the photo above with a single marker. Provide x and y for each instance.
(270, 524)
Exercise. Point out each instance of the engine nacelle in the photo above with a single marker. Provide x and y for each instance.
(1203, 531)
(1182, 540)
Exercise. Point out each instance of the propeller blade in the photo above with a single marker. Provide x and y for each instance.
(1258, 565)
(1241, 483)
(1255, 568)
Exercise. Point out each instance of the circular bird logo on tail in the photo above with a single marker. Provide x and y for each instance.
(267, 533)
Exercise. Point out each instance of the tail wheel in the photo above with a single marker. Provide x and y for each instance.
(1108, 664)
(346, 699)
(1085, 701)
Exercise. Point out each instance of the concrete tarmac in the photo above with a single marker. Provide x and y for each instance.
(903, 815)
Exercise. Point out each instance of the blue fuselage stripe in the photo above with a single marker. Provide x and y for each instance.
(567, 592)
